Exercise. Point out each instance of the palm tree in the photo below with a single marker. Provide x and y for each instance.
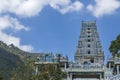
(115, 46)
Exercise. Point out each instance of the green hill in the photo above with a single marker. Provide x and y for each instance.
(8, 62)
(11, 57)
(15, 50)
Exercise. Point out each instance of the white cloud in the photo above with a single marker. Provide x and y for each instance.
(9, 39)
(104, 7)
(9, 22)
(65, 6)
(28, 8)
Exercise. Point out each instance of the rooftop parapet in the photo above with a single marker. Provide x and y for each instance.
(110, 59)
(86, 68)
(50, 58)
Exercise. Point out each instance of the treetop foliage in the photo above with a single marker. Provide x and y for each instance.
(115, 46)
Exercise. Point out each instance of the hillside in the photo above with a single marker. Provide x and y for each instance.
(11, 57)
(15, 50)
(8, 62)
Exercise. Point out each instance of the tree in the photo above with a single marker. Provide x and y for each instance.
(115, 46)
(50, 72)
(23, 71)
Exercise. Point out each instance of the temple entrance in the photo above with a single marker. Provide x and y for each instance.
(85, 63)
(86, 76)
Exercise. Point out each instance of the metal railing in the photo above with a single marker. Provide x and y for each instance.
(116, 77)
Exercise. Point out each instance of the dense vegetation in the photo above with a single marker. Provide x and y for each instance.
(8, 62)
(24, 72)
(115, 46)
(50, 72)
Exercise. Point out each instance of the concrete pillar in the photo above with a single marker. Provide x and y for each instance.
(109, 65)
(68, 78)
(65, 66)
(101, 76)
(36, 70)
(71, 76)
(118, 69)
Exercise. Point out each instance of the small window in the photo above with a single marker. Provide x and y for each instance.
(88, 35)
(88, 52)
(88, 32)
(88, 45)
(88, 40)
(92, 60)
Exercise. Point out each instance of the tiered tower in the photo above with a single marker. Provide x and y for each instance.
(89, 57)
(89, 49)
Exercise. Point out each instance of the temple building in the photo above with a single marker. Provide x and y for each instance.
(49, 58)
(88, 59)
(112, 69)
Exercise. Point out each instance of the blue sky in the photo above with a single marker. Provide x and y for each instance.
(54, 25)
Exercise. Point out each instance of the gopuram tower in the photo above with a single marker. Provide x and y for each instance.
(89, 49)
(89, 57)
